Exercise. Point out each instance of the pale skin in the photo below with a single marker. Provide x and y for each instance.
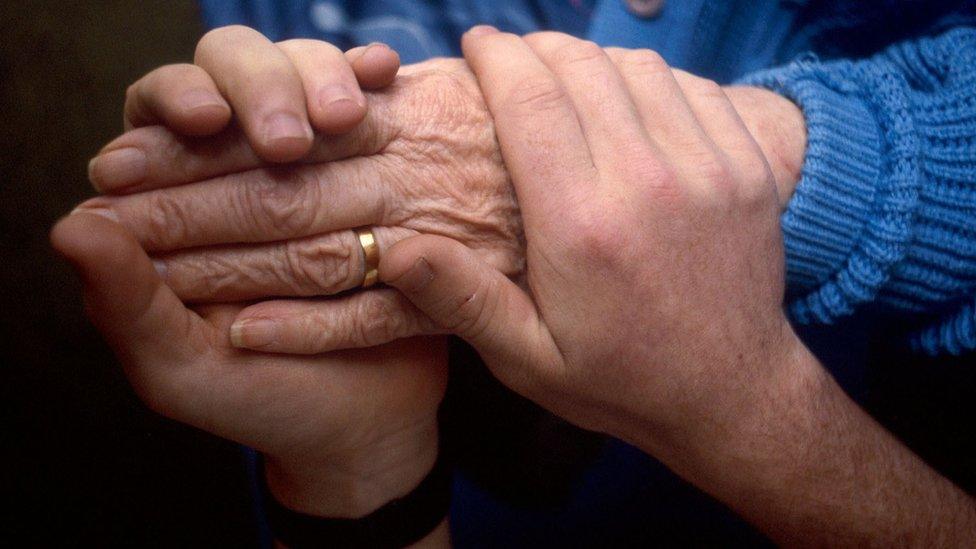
(799, 445)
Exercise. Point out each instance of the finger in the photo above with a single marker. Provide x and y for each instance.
(723, 125)
(142, 320)
(533, 118)
(465, 297)
(166, 159)
(318, 265)
(610, 122)
(375, 65)
(666, 114)
(256, 206)
(364, 319)
(263, 87)
(335, 102)
(182, 97)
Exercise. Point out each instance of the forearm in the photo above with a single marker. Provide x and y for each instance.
(809, 467)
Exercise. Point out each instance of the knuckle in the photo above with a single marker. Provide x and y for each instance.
(307, 46)
(314, 333)
(578, 52)
(221, 36)
(651, 173)
(547, 39)
(204, 275)
(600, 239)
(758, 186)
(378, 321)
(539, 94)
(279, 205)
(706, 89)
(318, 266)
(644, 61)
(715, 170)
(168, 221)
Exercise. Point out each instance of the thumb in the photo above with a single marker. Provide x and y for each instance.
(467, 297)
(139, 316)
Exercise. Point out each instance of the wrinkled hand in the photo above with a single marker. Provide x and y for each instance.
(424, 160)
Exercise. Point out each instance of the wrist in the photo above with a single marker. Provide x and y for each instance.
(779, 127)
(746, 425)
(776, 420)
(353, 483)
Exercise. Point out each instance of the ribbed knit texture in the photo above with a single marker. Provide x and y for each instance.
(886, 207)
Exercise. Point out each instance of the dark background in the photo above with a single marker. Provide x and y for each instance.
(87, 464)
(90, 466)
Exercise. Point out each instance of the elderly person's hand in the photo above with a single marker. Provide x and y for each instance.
(424, 161)
(653, 304)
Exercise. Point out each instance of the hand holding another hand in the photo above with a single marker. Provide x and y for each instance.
(653, 308)
(225, 226)
(342, 434)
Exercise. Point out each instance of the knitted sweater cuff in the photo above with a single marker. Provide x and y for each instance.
(841, 236)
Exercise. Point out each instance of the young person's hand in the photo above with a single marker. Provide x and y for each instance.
(342, 434)
(277, 94)
(653, 304)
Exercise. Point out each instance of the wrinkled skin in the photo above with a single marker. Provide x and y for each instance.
(426, 154)
(424, 161)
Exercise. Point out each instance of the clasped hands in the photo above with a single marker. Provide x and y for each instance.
(601, 228)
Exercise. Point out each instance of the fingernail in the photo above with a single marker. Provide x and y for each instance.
(482, 30)
(160, 266)
(341, 96)
(416, 278)
(253, 333)
(285, 125)
(375, 46)
(118, 169)
(199, 98)
(104, 212)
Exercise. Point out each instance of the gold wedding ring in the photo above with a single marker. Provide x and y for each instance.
(371, 256)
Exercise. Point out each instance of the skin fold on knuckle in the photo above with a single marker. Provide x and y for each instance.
(278, 203)
(166, 221)
(535, 95)
(377, 321)
(643, 62)
(577, 52)
(320, 265)
(602, 241)
(209, 277)
(216, 42)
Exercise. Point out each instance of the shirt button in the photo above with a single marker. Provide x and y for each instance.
(645, 8)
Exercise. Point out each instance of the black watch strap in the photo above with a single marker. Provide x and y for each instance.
(399, 523)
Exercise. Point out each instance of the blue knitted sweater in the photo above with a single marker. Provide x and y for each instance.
(885, 213)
